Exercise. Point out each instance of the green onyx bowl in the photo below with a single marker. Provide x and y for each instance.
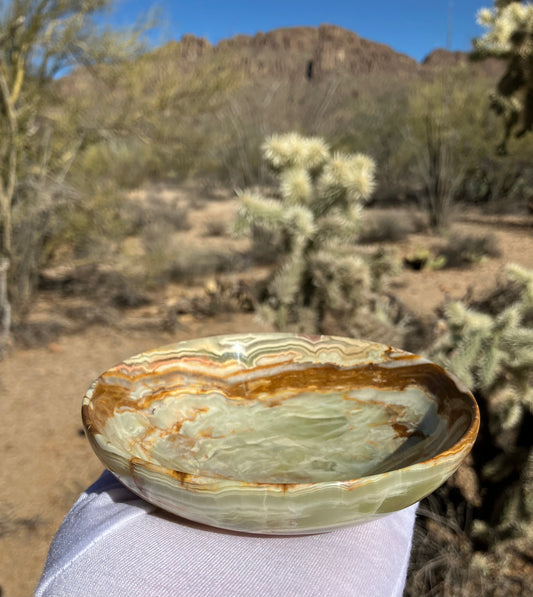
(280, 433)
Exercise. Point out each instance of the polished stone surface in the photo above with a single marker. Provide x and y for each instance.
(277, 433)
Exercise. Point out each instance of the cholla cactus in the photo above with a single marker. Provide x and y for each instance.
(510, 25)
(510, 37)
(316, 216)
(493, 354)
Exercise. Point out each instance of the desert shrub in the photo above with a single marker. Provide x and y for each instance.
(165, 259)
(234, 159)
(88, 226)
(460, 250)
(136, 215)
(187, 267)
(378, 125)
(41, 135)
(433, 139)
(498, 184)
(64, 222)
(445, 136)
(158, 244)
(33, 224)
(318, 108)
(127, 163)
(174, 213)
(89, 280)
(467, 249)
(384, 228)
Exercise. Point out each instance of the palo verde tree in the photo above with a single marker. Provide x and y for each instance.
(38, 40)
(509, 37)
(313, 223)
(442, 139)
(159, 104)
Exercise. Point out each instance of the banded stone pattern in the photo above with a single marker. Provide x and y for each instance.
(280, 433)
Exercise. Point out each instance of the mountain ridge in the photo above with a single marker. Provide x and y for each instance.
(318, 51)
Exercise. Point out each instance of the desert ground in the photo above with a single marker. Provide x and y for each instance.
(47, 460)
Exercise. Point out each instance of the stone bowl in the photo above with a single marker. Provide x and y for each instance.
(280, 433)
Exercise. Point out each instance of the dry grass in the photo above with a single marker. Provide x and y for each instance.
(442, 553)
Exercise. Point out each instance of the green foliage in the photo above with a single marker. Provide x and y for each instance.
(378, 123)
(443, 138)
(87, 227)
(146, 116)
(68, 142)
(38, 144)
(510, 38)
(491, 351)
(127, 165)
(499, 184)
(432, 141)
(315, 219)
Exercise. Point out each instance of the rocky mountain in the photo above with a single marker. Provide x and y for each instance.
(292, 57)
(199, 103)
(312, 52)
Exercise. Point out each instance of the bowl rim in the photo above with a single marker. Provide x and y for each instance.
(462, 446)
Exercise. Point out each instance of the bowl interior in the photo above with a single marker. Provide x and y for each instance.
(278, 409)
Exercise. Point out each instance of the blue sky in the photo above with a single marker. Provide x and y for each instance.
(414, 27)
